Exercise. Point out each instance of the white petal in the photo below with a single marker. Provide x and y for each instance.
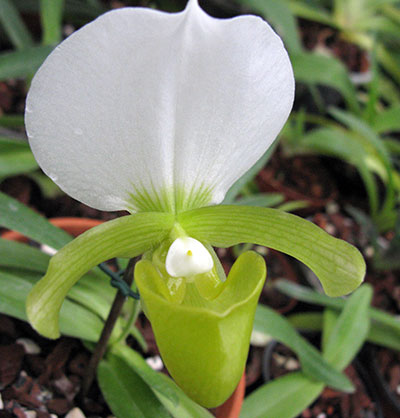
(141, 102)
(187, 257)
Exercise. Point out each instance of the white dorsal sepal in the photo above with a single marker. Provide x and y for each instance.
(187, 257)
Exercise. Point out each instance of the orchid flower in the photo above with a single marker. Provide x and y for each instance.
(159, 114)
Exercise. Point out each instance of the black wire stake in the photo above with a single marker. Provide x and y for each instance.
(118, 282)
(102, 344)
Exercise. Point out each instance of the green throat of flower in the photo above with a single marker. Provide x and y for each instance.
(169, 199)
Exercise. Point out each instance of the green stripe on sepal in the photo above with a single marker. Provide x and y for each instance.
(128, 236)
(204, 343)
(339, 266)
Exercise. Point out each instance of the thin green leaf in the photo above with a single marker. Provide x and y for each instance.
(293, 205)
(306, 321)
(139, 365)
(280, 16)
(75, 321)
(351, 329)
(15, 158)
(390, 60)
(310, 296)
(171, 396)
(387, 121)
(23, 63)
(51, 12)
(18, 217)
(310, 12)
(14, 26)
(94, 300)
(269, 322)
(15, 254)
(378, 334)
(330, 317)
(12, 121)
(319, 69)
(284, 397)
(339, 265)
(127, 236)
(261, 199)
(348, 147)
(126, 393)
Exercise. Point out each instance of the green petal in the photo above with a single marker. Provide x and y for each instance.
(128, 236)
(204, 343)
(339, 266)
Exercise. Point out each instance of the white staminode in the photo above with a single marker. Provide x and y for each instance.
(144, 110)
(187, 257)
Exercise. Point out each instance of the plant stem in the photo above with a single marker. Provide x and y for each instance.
(106, 333)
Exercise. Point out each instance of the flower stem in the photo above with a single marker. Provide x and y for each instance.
(106, 333)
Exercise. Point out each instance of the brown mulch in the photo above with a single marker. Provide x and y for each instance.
(41, 378)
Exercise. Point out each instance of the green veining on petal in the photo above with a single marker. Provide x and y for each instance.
(168, 199)
(339, 266)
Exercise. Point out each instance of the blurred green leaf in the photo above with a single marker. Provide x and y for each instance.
(18, 217)
(288, 396)
(311, 12)
(387, 121)
(308, 295)
(293, 205)
(378, 334)
(75, 321)
(351, 329)
(317, 69)
(260, 199)
(15, 157)
(16, 254)
(51, 13)
(284, 397)
(348, 147)
(377, 147)
(280, 16)
(138, 364)
(126, 393)
(269, 322)
(23, 63)
(12, 121)
(14, 26)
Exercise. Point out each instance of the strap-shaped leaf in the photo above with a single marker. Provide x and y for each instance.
(284, 397)
(75, 320)
(287, 396)
(166, 390)
(126, 392)
(312, 363)
(339, 266)
(378, 334)
(17, 255)
(305, 294)
(18, 217)
(14, 26)
(23, 63)
(350, 330)
(128, 236)
(51, 12)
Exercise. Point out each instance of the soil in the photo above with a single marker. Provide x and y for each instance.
(41, 378)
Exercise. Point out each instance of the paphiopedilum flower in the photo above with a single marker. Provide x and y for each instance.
(159, 114)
